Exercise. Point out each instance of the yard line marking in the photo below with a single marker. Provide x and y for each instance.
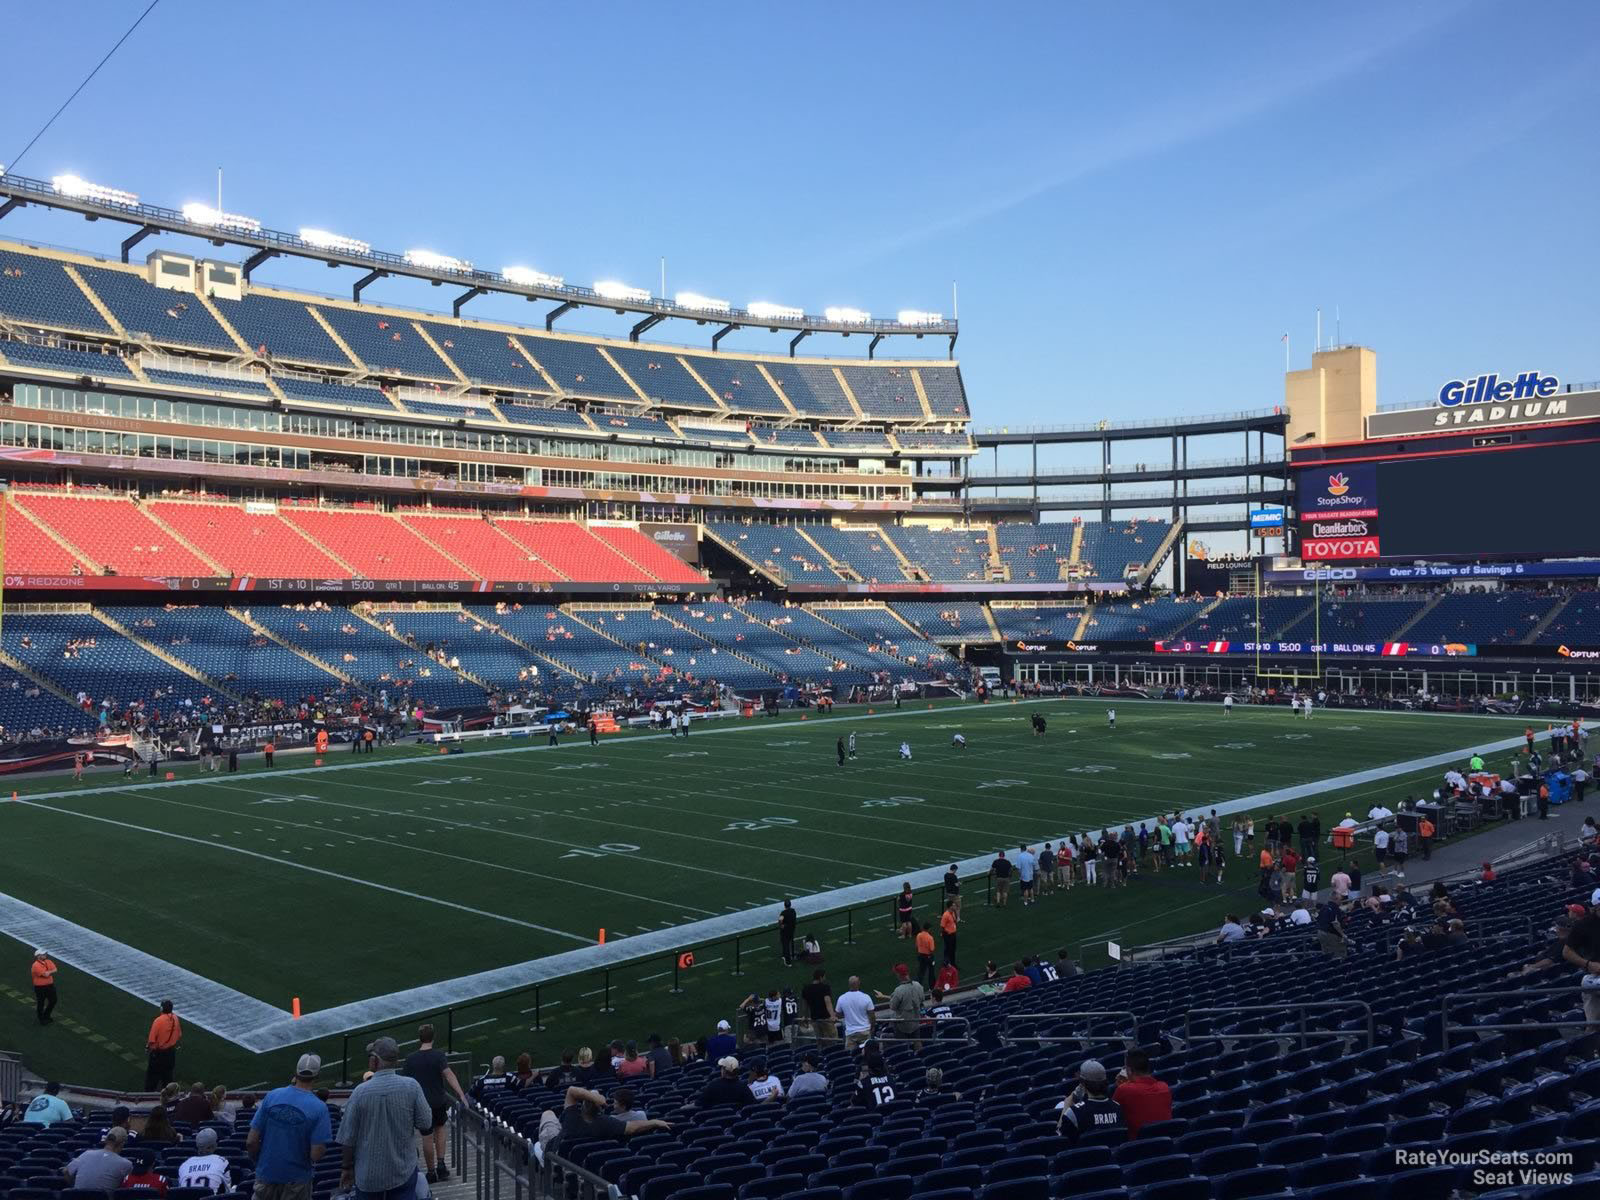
(475, 1024)
(387, 843)
(299, 866)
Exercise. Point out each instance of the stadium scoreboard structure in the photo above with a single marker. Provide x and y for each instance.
(1495, 468)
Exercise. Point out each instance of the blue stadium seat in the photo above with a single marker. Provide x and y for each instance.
(1257, 1181)
(773, 1187)
(884, 1187)
(1031, 1187)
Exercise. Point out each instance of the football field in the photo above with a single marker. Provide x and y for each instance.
(376, 888)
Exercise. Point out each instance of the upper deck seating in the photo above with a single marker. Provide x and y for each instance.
(285, 328)
(389, 345)
(169, 317)
(36, 290)
(740, 384)
(888, 392)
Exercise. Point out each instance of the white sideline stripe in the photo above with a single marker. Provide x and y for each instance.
(380, 1009)
(754, 725)
(214, 1007)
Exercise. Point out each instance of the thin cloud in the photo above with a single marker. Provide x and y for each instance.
(1158, 132)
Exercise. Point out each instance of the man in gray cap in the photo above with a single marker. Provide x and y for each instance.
(1089, 1108)
(380, 1127)
(205, 1168)
(103, 1169)
(289, 1134)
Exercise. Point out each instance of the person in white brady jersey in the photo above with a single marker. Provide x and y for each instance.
(1111, 718)
(205, 1168)
(1227, 705)
(1305, 708)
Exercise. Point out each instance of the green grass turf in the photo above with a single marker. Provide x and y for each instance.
(496, 858)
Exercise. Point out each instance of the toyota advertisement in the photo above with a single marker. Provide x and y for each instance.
(1339, 513)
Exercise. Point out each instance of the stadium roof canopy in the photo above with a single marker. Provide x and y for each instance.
(223, 229)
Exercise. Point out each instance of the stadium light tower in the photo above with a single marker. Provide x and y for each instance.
(204, 214)
(75, 188)
(323, 240)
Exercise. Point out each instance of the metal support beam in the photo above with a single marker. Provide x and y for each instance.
(873, 344)
(556, 313)
(720, 334)
(797, 339)
(469, 294)
(361, 284)
(10, 206)
(255, 260)
(649, 322)
(143, 232)
(952, 351)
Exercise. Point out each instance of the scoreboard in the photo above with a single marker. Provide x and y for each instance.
(1507, 501)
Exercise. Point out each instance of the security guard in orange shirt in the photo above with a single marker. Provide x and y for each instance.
(44, 986)
(162, 1044)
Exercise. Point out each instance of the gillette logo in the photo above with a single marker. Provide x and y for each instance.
(1491, 389)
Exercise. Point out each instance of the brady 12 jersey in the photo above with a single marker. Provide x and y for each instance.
(874, 1090)
(209, 1171)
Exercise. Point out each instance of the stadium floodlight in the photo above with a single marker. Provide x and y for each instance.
(912, 316)
(429, 261)
(528, 277)
(610, 289)
(204, 214)
(847, 316)
(82, 189)
(770, 311)
(701, 303)
(323, 240)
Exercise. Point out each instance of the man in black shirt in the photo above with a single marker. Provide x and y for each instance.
(1000, 869)
(786, 924)
(1583, 951)
(818, 999)
(1089, 1107)
(1308, 839)
(585, 1119)
(727, 1088)
(952, 889)
(431, 1069)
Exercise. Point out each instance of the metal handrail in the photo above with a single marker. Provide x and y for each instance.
(1299, 1009)
(1445, 1028)
(1009, 1038)
(1239, 414)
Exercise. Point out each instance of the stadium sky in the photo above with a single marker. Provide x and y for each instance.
(1137, 200)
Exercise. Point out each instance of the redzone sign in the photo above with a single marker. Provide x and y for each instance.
(1329, 549)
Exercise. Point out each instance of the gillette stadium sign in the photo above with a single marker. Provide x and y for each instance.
(1487, 401)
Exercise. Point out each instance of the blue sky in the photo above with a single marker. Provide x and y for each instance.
(1136, 200)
